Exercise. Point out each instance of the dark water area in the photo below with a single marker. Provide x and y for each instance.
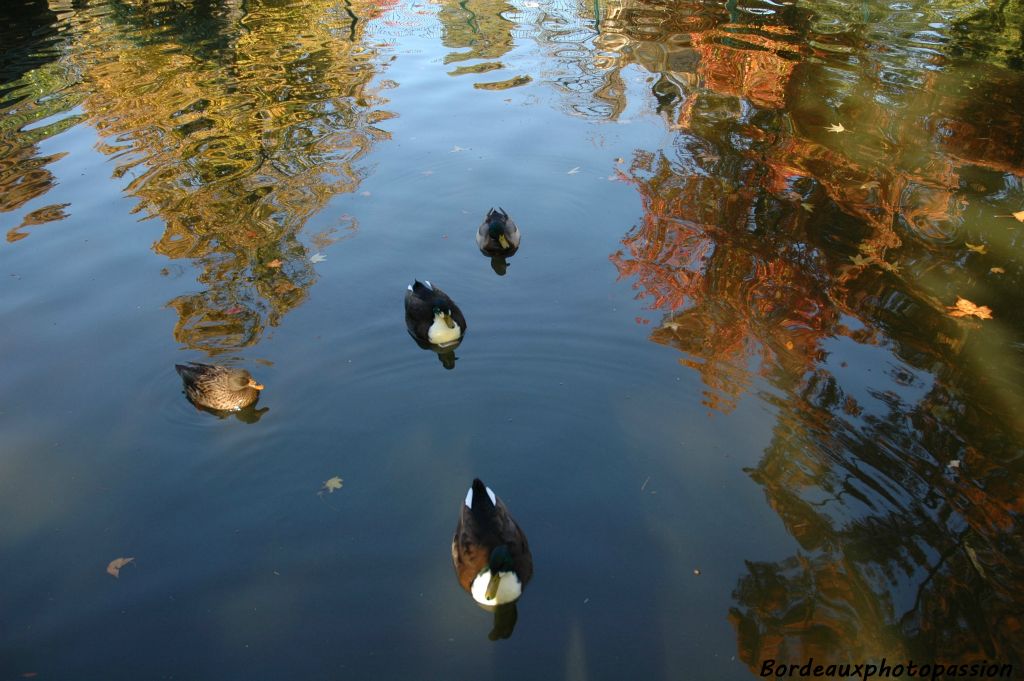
(752, 384)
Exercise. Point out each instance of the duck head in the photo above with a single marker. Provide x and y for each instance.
(497, 224)
(243, 379)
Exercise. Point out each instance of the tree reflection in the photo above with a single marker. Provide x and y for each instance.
(479, 29)
(234, 139)
(29, 67)
(771, 246)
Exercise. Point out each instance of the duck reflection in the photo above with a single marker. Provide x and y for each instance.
(500, 265)
(445, 355)
(505, 617)
(434, 321)
(498, 237)
(491, 556)
(248, 414)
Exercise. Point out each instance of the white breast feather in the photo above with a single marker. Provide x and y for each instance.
(440, 334)
(509, 588)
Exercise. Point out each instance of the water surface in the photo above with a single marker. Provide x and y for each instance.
(722, 385)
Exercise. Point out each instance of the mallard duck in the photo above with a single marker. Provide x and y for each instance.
(432, 317)
(490, 553)
(498, 234)
(218, 387)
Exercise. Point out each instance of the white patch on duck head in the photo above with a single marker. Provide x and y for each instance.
(440, 333)
(509, 587)
(490, 493)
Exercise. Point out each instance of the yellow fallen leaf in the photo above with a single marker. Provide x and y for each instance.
(997, 270)
(114, 568)
(972, 554)
(977, 248)
(861, 261)
(835, 127)
(274, 263)
(331, 485)
(1019, 215)
(965, 308)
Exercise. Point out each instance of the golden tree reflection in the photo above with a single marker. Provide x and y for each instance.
(483, 34)
(479, 28)
(235, 140)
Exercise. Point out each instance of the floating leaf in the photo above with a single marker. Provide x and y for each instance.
(275, 263)
(835, 127)
(456, 149)
(114, 568)
(861, 261)
(809, 207)
(317, 257)
(1019, 215)
(234, 309)
(573, 171)
(974, 559)
(955, 463)
(977, 248)
(331, 485)
(997, 270)
(965, 308)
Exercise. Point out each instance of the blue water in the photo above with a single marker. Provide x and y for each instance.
(808, 459)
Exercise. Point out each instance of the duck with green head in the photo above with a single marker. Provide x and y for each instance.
(432, 317)
(498, 234)
(218, 387)
(491, 555)
(498, 238)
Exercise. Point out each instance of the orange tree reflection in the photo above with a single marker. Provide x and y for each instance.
(777, 241)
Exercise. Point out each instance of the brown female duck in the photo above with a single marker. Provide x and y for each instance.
(218, 387)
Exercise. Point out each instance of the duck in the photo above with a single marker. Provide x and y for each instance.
(218, 387)
(498, 235)
(489, 550)
(432, 317)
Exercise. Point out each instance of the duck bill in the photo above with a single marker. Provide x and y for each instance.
(492, 586)
(503, 241)
(449, 321)
(255, 386)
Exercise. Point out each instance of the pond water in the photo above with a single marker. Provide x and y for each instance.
(752, 385)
